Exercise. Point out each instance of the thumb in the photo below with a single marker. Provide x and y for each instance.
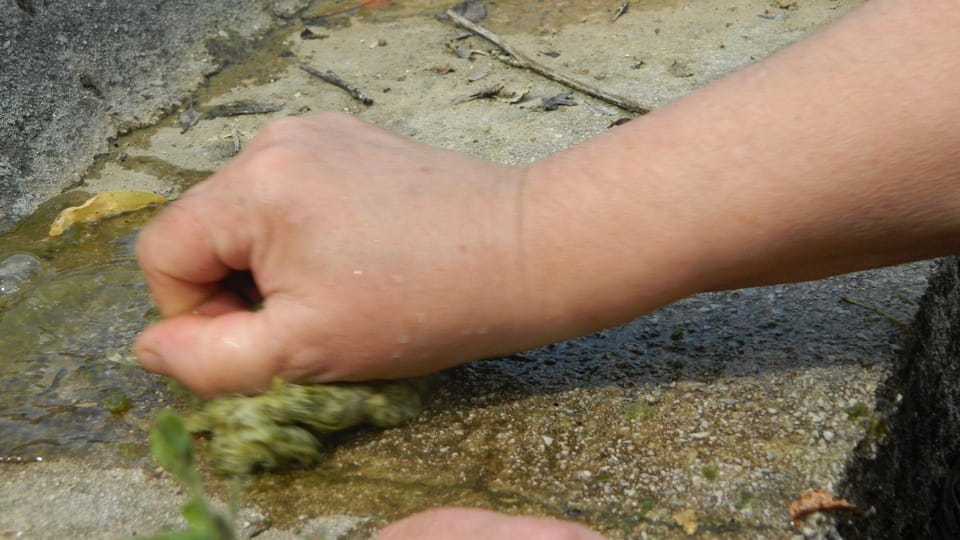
(228, 353)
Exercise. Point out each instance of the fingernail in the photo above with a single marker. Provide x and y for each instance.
(150, 360)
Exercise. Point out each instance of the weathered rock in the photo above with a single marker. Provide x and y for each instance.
(903, 479)
(75, 74)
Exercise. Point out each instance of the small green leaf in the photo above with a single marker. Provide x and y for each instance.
(172, 448)
(207, 522)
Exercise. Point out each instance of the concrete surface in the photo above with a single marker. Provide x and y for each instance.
(76, 74)
(704, 419)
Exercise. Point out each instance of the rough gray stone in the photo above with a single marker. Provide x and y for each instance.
(75, 74)
(900, 482)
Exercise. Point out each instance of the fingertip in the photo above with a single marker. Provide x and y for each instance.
(229, 353)
(149, 360)
(148, 349)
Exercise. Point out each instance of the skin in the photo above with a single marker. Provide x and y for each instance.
(376, 256)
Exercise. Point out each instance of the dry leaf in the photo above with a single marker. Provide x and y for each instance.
(817, 500)
(687, 519)
(512, 96)
(103, 205)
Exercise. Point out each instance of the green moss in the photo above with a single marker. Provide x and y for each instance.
(878, 428)
(745, 500)
(646, 505)
(640, 412)
(857, 411)
(710, 472)
(866, 417)
(713, 522)
(285, 427)
(628, 523)
(115, 401)
(602, 478)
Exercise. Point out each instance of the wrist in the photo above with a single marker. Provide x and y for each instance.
(604, 244)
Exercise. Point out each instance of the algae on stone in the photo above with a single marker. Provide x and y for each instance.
(285, 426)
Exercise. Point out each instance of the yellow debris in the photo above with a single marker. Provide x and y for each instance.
(687, 519)
(103, 205)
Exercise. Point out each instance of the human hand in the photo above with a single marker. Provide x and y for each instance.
(476, 524)
(374, 257)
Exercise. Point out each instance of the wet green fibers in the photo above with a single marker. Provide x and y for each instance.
(285, 426)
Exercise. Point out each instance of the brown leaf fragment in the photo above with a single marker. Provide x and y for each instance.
(563, 99)
(511, 96)
(624, 6)
(189, 117)
(462, 50)
(817, 500)
(680, 69)
(442, 70)
(497, 92)
(310, 34)
(482, 93)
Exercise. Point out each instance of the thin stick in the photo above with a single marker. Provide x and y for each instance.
(335, 80)
(521, 60)
(878, 311)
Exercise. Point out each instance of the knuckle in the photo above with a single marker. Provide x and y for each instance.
(283, 129)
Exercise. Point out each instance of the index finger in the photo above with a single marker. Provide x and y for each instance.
(179, 258)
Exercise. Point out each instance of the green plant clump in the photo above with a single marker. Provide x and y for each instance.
(284, 427)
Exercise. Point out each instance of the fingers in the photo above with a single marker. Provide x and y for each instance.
(477, 524)
(232, 352)
(179, 260)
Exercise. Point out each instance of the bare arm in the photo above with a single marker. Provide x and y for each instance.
(839, 153)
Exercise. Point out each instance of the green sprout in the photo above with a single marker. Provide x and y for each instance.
(172, 449)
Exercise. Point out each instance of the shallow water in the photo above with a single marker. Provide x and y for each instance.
(65, 330)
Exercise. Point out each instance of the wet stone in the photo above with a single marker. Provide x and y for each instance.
(69, 309)
(17, 271)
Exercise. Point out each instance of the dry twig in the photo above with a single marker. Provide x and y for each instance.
(518, 59)
(902, 324)
(335, 80)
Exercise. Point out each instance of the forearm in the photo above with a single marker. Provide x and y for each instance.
(839, 153)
